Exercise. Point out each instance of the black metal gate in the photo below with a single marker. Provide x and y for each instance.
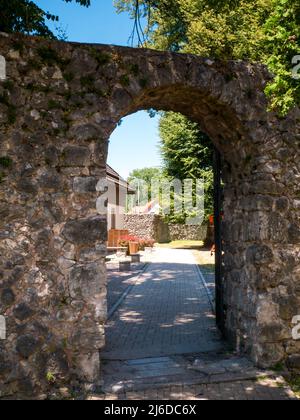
(220, 314)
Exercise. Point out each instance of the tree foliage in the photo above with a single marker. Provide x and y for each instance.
(187, 153)
(25, 16)
(145, 174)
(282, 30)
(266, 31)
(141, 181)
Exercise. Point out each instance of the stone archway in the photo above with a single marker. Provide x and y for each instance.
(58, 106)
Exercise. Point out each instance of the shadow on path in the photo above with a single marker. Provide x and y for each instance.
(166, 313)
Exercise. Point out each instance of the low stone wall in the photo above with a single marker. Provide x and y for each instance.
(188, 232)
(147, 226)
(153, 226)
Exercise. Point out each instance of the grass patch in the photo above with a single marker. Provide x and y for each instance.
(206, 260)
(294, 383)
(182, 245)
(279, 367)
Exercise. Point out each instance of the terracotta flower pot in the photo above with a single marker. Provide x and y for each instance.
(133, 248)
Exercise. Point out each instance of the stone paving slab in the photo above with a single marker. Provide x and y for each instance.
(266, 389)
(166, 313)
(184, 369)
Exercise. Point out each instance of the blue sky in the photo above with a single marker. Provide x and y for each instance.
(135, 144)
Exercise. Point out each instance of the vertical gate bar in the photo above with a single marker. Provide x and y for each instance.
(218, 241)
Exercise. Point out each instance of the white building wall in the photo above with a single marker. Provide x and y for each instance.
(116, 207)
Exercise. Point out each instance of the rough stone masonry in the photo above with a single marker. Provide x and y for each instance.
(59, 104)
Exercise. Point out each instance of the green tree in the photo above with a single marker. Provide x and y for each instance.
(185, 149)
(141, 180)
(25, 16)
(145, 174)
(187, 154)
(282, 29)
(267, 31)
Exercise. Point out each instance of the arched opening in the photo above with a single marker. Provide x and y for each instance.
(164, 306)
(214, 110)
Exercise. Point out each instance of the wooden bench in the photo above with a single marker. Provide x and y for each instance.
(114, 236)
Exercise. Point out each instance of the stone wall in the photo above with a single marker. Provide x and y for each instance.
(148, 226)
(152, 226)
(59, 104)
(188, 232)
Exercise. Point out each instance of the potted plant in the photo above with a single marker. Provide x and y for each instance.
(131, 243)
(146, 244)
(134, 247)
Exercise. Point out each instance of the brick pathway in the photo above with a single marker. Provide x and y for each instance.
(118, 282)
(166, 313)
(162, 343)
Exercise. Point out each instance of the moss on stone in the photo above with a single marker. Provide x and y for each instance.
(6, 162)
(31, 87)
(4, 99)
(87, 82)
(134, 69)
(125, 80)
(8, 85)
(11, 109)
(52, 104)
(143, 83)
(248, 159)
(34, 65)
(101, 57)
(69, 77)
(229, 77)
(18, 46)
(48, 55)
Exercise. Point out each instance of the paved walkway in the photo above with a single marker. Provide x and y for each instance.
(264, 389)
(162, 343)
(118, 282)
(166, 313)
